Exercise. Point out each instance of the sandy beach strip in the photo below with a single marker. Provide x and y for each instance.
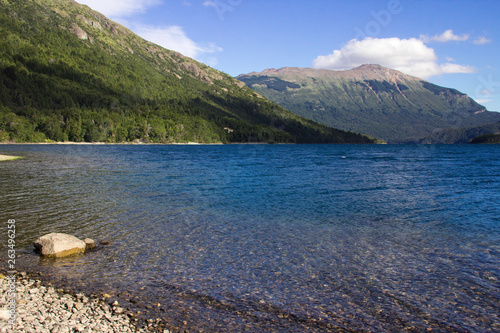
(8, 158)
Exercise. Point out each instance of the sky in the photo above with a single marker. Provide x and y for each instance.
(452, 43)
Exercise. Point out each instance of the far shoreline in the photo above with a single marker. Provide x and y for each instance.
(177, 143)
(107, 143)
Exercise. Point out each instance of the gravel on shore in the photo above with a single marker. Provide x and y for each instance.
(40, 308)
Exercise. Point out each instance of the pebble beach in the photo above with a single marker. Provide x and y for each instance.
(40, 308)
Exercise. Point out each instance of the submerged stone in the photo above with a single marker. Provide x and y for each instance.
(59, 245)
(89, 243)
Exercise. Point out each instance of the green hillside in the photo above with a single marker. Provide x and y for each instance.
(370, 99)
(69, 73)
(487, 138)
(460, 135)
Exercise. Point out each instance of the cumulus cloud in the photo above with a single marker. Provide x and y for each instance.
(447, 36)
(482, 40)
(170, 37)
(174, 38)
(410, 56)
(119, 8)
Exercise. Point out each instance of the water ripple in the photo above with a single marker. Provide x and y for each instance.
(312, 238)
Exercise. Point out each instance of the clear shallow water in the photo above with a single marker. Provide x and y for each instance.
(272, 238)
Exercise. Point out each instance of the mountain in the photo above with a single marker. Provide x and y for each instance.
(461, 135)
(487, 138)
(370, 99)
(69, 73)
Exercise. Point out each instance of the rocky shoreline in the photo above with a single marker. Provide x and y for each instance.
(39, 307)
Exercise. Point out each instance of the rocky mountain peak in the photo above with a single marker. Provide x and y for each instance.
(361, 73)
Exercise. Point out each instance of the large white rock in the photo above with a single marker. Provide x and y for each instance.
(59, 245)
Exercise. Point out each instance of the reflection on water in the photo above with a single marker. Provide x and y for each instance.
(302, 238)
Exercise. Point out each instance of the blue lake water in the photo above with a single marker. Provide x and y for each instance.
(271, 238)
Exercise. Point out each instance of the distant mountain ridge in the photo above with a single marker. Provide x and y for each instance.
(487, 138)
(370, 99)
(460, 135)
(69, 73)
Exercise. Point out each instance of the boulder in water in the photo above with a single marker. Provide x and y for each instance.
(59, 245)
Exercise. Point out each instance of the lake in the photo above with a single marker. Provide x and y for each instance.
(271, 238)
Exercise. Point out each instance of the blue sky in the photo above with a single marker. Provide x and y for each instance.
(450, 43)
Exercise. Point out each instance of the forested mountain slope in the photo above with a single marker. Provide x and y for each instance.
(69, 73)
(461, 135)
(370, 99)
(487, 138)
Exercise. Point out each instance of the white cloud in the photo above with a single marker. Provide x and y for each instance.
(210, 4)
(170, 37)
(447, 36)
(454, 68)
(174, 38)
(410, 56)
(482, 40)
(483, 101)
(119, 8)
(486, 92)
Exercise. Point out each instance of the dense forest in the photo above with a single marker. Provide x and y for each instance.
(487, 138)
(460, 135)
(67, 73)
